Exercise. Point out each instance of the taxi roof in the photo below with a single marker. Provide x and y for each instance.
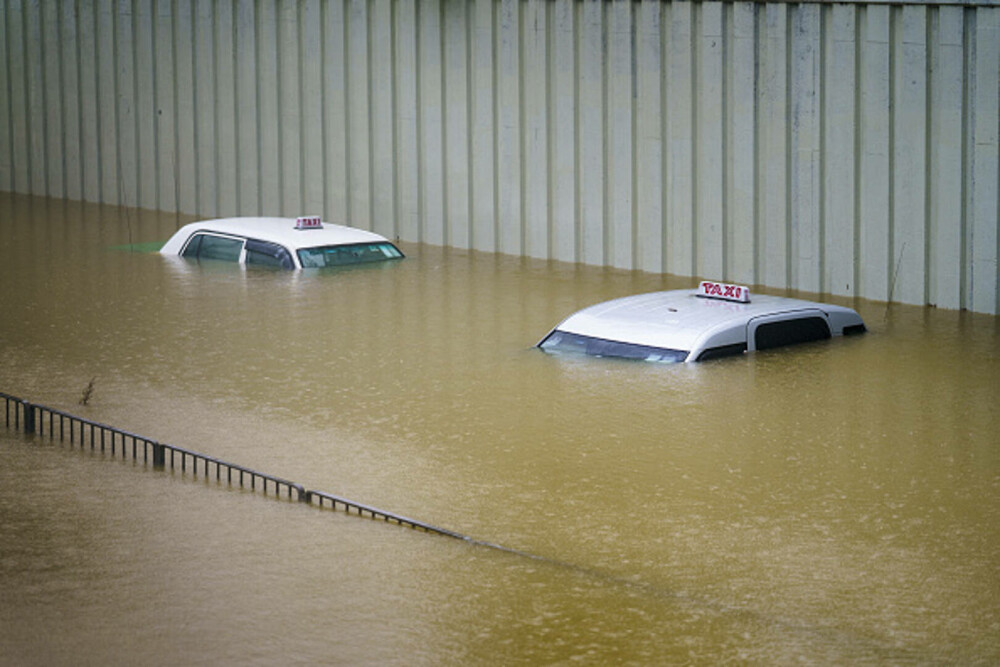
(683, 320)
(276, 230)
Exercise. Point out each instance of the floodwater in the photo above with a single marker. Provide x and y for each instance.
(834, 503)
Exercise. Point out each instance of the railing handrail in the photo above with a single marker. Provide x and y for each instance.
(28, 409)
(375, 512)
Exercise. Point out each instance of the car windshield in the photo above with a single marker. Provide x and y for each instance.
(341, 255)
(562, 341)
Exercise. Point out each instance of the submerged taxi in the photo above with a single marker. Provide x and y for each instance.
(713, 320)
(290, 243)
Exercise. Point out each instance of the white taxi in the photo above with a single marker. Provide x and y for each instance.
(713, 320)
(290, 243)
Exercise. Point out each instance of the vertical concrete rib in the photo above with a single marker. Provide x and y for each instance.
(20, 122)
(601, 236)
(788, 145)
(577, 172)
(114, 139)
(482, 136)
(406, 127)
(725, 230)
(839, 148)
(348, 135)
(394, 129)
(710, 112)
(74, 145)
(371, 109)
(822, 91)
(968, 150)
(664, 222)
(550, 124)
(946, 139)
(470, 165)
(324, 99)
(36, 97)
(648, 140)
(300, 94)
(741, 145)
(55, 94)
(680, 184)
(910, 155)
(421, 212)
(494, 94)
(619, 102)
(227, 116)
(187, 176)
(448, 237)
(857, 149)
(694, 98)
(454, 121)
(535, 171)
(984, 238)
(931, 54)
(890, 259)
(6, 162)
(635, 261)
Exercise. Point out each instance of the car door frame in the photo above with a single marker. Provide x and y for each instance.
(209, 232)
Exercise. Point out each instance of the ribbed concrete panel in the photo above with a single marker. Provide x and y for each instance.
(507, 94)
(740, 124)
(839, 238)
(407, 144)
(648, 129)
(590, 147)
(183, 159)
(455, 92)
(562, 134)
(849, 149)
(982, 172)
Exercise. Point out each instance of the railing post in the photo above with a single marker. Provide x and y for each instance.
(29, 417)
(159, 455)
(304, 496)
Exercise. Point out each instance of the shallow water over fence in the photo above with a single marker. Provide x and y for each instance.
(835, 503)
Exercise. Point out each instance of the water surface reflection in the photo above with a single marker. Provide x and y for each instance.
(834, 503)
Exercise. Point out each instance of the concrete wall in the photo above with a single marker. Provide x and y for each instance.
(840, 148)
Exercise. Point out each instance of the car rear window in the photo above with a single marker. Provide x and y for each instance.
(791, 332)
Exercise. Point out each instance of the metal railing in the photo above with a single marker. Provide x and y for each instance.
(41, 420)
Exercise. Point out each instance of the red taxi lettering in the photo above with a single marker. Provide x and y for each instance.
(310, 222)
(724, 291)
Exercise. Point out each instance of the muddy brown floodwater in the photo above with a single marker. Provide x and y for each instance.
(833, 503)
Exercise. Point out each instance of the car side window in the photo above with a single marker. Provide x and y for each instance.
(209, 246)
(263, 253)
(193, 246)
(791, 332)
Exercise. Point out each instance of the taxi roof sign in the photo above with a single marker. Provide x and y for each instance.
(725, 291)
(309, 222)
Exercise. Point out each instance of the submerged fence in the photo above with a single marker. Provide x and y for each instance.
(42, 421)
